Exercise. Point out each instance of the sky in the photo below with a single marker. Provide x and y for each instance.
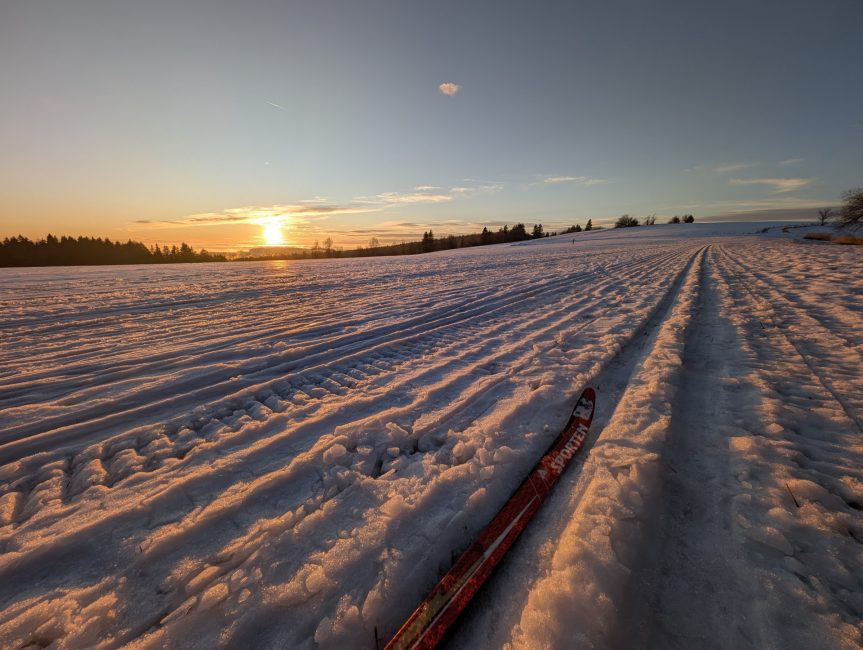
(216, 122)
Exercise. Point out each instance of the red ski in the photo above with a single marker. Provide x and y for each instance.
(440, 609)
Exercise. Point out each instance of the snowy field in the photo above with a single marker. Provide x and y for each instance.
(288, 454)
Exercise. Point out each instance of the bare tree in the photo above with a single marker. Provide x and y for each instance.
(824, 216)
(851, 214)
(374, 242)
(328, 245)
(674, 219)
(626, 221)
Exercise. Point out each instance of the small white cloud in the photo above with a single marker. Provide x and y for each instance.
(426, 188)
(733, 167)
(413, 197)
(449, 88)
(461, 190)
(791, 161)
(778, 185)
(581, 180)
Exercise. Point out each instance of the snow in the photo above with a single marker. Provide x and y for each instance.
(290, 454)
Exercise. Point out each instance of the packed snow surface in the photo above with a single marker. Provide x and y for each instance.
(290, 454)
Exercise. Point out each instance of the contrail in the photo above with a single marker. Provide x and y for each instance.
(277, 106)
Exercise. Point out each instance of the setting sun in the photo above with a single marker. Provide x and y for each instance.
(273, 235)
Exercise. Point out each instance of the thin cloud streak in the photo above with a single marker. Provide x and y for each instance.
(412, 197)
(293, 213)
(281, 108)
(791, 161)
(580, 180)
(743, 206)
(778, 185)
(734, 167)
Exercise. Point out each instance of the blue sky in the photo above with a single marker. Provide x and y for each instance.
(206, 121)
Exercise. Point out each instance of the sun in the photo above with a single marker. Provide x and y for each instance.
(273, 235)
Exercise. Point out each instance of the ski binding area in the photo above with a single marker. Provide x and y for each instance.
(294, 454)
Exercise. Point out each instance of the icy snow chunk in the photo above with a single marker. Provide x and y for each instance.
(503, 455)
(238, 579)
(397, 434)
(213, 596)
(398, 463)
(477, 498)
(364, 465)
(317, 580)
(335, 454)
(394, 507)
(9, 502)
(204, 577)
(463, 451)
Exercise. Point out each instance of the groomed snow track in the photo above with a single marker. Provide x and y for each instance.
(288, 455)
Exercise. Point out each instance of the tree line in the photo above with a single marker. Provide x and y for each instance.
(73, 251)
(850, 215)
(625, 221)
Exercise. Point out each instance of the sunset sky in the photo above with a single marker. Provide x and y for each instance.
(210, 121)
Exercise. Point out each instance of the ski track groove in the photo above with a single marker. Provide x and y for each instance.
(779, 324)
(507, 585)
(809, 443)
